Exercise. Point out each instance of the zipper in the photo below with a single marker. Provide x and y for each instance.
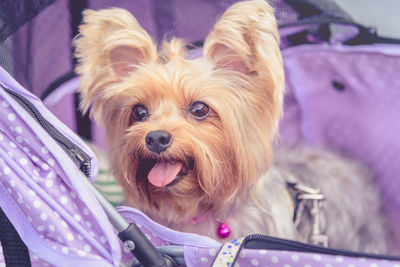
(81, 159)
(275, 243)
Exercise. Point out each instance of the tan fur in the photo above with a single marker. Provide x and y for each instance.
(240, 77)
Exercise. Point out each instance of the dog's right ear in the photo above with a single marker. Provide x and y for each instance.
(110, 45)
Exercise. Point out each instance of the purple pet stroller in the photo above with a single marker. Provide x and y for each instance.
(342, 93)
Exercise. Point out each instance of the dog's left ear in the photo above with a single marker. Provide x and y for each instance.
(111, 44)
(246, 40)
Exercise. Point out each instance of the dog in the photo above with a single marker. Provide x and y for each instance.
(192, 140)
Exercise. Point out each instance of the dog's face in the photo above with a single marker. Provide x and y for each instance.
(185, 136)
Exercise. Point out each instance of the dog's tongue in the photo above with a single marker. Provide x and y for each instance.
(164, 173)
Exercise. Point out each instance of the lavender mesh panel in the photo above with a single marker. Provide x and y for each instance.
(43, 195)
(42, 48)
(349, 100)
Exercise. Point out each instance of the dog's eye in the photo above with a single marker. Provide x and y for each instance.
(140, 113)
(199, 110)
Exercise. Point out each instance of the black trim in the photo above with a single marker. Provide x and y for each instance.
(15, 252)
(275, 243)
(57, 83)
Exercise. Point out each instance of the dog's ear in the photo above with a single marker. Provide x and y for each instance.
(110, 45)
(246, 40)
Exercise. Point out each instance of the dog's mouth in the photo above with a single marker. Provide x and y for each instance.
(162, 172)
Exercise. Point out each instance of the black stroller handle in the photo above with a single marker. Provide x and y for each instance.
(132, 237)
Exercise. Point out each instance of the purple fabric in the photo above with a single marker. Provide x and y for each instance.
(42, 192)
(42, 48)
(361, 121)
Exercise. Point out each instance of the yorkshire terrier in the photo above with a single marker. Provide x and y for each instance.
(191, 140)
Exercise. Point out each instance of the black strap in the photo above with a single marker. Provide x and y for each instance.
(14, 250)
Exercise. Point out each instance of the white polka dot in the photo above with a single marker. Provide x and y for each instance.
(49, 183)
(339, 259)
(307, 265)
(70, 236)
(212, 252)
(351, 265)
(80, 237)
(62, 188)
(81, 253)
(6, 170)
(103, 239)
(37, 204)
(35, 159)
(51, 162)
(204, 260)
(88, 224)
(45, 166)
(20, 199)
(40, 228)
(52, 228)
(64, 250)
(31, 192)
(50, 175)
(262, 252)
(64, 200)
(64, 224)
(328, 265)
(242, 254)
(295, 258)
(23, 161)
(44, 216)
(374, 265)
(36, 172)
(286, 265)
(362, 259)
(1, 137)
(18, 129)
(236, 264)
(77, 217)
(26, 149)
(13, 145)
(35, 257)
(44, 150)
(11, 116)
(254, 262)
(12, 183)
(5, 104)
(85, 211)
(274, 259)
(87, 248)
(73, 194)
(317, 257)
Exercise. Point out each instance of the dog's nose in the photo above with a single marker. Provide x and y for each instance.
(158, 141)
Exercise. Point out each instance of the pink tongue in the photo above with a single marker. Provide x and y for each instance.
(164, 173)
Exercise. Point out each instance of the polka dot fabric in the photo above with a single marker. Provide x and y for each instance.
(272, 258)
(52, 213)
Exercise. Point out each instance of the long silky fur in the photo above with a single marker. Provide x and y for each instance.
(241, 77)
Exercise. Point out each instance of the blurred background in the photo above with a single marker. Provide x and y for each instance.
(384, 15)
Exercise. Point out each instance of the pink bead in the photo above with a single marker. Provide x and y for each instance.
(223, 231)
